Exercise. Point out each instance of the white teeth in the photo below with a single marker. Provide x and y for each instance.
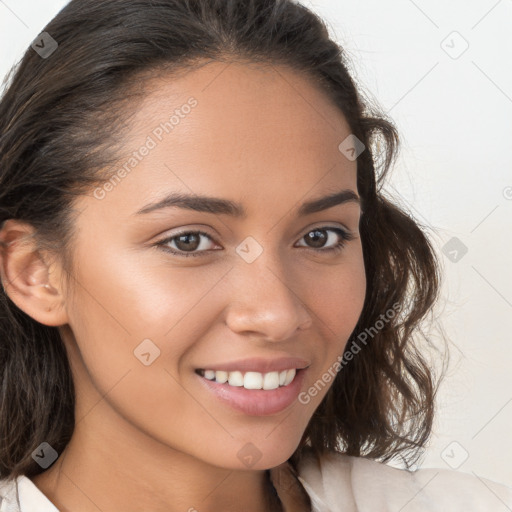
(252, 380)
(290, 374)
(220, 376)
(236, 379)
(271, 380)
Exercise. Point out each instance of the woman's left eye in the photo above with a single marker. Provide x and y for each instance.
(191, 241)
(317, 235)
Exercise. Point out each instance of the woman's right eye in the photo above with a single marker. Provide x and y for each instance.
(188, 240)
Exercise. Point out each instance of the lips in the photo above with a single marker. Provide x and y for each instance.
(272, 386)
(256, 402)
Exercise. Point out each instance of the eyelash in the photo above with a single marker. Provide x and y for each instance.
(345, 237)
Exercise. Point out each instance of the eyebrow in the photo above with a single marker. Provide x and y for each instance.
(226, 207)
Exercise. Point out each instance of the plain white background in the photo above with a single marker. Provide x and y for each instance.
(441, 70)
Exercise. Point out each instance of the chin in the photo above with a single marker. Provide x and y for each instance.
(256, 456)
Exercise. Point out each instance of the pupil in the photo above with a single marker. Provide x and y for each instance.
(318, 237)
(187, 244)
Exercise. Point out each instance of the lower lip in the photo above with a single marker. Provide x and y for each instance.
(257, 402)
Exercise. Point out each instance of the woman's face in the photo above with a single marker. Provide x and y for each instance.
(255, 288)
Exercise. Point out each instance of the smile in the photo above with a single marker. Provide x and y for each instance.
(234, 389)
(250, 380)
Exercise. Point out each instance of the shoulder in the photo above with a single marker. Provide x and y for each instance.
(7, 494)
(31, 499)
(363, 485)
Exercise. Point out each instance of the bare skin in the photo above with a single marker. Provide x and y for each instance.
(152, 438)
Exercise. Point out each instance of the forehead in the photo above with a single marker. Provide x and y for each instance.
(242, 99)
(236, 130)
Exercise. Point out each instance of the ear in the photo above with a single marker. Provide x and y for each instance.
(27, 276)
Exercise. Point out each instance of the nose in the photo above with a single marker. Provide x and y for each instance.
(262, 302)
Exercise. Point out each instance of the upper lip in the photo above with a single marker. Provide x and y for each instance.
(259, 364)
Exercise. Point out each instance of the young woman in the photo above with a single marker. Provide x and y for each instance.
(207, 303)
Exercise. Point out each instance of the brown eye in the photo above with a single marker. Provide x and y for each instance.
(186, 242)
(317, 239)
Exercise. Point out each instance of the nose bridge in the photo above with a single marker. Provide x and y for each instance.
(262, 298)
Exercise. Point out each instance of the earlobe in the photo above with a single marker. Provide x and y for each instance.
(26, 276)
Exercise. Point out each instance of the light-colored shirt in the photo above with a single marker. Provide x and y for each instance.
(356, 484)
(342, 483)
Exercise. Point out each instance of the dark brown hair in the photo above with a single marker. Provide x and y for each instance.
(61, 123)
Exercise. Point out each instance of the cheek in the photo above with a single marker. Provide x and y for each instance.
(110, 321)
(133, 298)
(337, 299)
(337, 296)
(133, 311)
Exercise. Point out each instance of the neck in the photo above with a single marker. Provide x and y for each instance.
(87, 478)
